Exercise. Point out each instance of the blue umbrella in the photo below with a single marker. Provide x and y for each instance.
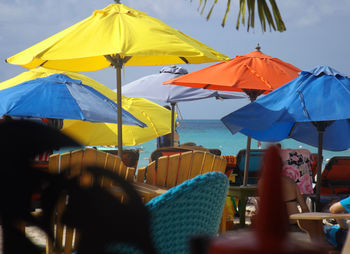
(151, 87)
(312, 108)
(61, 97)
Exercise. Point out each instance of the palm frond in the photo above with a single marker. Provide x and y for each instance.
(211, 9)
(227, 10)
(276, 13)
(269, 15)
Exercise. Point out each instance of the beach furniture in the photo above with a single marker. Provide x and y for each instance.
(335, 178)
(130, 157)
(312, 224)
(187, 210)
(75, 162)
(162, 151)
(191, 208)
(255, 162)
(335, 181)
(171, 170)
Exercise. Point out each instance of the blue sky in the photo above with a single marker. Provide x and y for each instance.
(317, 34)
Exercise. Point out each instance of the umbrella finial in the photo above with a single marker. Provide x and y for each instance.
(258, 47)
(117, 1)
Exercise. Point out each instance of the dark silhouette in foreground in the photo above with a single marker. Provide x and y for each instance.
(98, 216)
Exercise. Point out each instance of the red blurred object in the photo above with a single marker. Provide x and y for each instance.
(270, 234)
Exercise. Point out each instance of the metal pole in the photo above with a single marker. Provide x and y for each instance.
(172, 123)
(319, 167)
(119, 103)
(246, 162)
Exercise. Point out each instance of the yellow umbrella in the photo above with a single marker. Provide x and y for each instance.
(116, 35)
(154, 116)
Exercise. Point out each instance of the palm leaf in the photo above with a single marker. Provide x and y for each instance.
(211, 9)
(268, 15)
(276, 13)
(227, 10)
(251, 13)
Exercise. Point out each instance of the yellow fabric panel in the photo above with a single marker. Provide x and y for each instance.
(116, 29)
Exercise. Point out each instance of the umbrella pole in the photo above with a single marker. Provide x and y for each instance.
(246, 162)
(253, 94)
(172, 123)
(319, 167)
(119, 104)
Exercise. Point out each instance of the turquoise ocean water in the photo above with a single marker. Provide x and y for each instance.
(213, 134)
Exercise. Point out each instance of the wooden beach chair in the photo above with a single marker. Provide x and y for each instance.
(171, 170)
(75, 162)
(335, 178)
(130, 157)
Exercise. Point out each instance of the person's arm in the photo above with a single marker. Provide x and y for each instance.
(338, 208)
(301, 201)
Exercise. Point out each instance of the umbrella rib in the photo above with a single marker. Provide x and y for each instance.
(258, 76)
(292, 129)
(41, 65)
(184, 59)
(303, 104)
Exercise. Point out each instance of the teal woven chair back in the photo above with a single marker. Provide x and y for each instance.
(191, 208)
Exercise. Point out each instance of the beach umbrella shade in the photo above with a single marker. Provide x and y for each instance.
(61, 97)
(255, 73)
(150, 87)
(91, 133)
(312, 108)
(116, 36)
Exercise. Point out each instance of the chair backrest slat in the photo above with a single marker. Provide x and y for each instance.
(173, 169)
(76, 159)
(185, 167)
(109, 165)
(197, 163)
(54, 163)
(64, 162)
(140, 175)
(162, 170)
(208, 163)
(151, 173)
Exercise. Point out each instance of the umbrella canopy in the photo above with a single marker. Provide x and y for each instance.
(116, 35)
(137, 38)
(314, 110)
(154, 116)
(254, 73)
(251, 71)
(59, 96)
(150, 87)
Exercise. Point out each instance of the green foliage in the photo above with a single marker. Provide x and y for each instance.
(268, 15)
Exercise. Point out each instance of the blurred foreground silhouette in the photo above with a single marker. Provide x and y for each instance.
(99, 217)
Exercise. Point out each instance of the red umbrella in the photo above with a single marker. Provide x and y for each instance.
(254, 73)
